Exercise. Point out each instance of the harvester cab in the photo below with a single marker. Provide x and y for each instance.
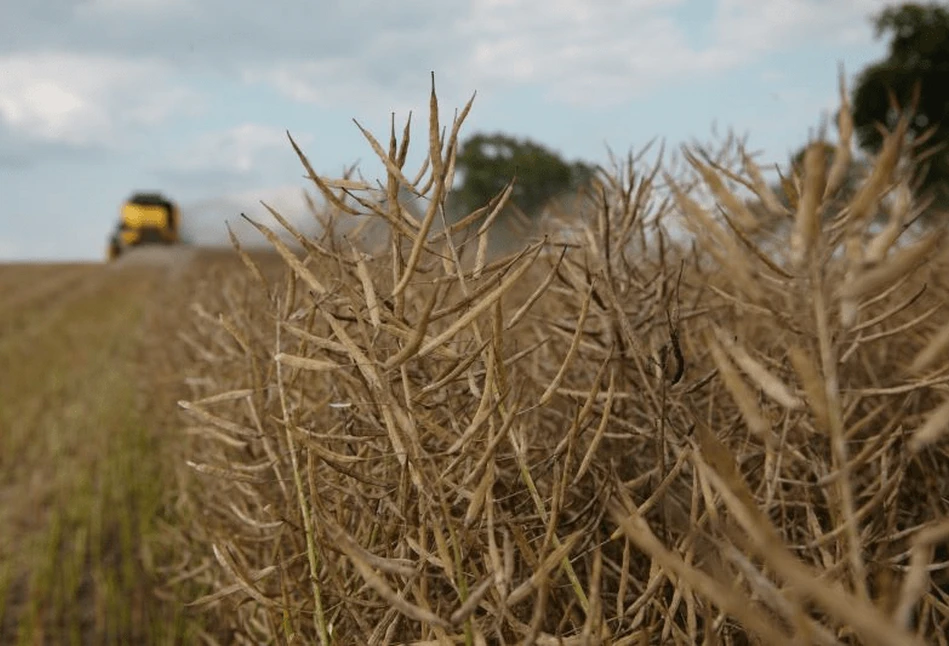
(145, 218)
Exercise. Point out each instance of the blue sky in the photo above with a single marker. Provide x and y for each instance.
(99, 98)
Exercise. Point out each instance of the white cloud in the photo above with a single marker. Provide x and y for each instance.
(225, 161)
(85, 99)
(238, 149)
(363, 55)
(598, 52)
(593, 52)
(753, 26)
(328, 82)
(606, 52)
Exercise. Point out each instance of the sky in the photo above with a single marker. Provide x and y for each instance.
(194, 98)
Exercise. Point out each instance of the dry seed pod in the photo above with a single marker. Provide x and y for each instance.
(842, 154)
(868, 197)
(849, 308)
(885, 239)
(762, 189)
(719, 243)
(770, 384)
(807, 217)
(732, 204)
(789, 185)
(742, 394)
(853, 253)
(809, 376)
(897, 265)
(933, 350)
(933, 429)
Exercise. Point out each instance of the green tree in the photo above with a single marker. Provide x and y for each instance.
(918, 57)
(486, 163)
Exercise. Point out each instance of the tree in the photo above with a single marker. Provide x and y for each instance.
(918, 58)
(486, 163)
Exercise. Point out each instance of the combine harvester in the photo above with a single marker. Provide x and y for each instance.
(145, 219)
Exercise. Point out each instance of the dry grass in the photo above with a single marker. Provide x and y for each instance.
(629, 440)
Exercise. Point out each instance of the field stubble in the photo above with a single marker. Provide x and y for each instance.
(626, 440)
(89, 380)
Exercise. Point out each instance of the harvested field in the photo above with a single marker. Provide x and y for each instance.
(87, 408)
(616, 436)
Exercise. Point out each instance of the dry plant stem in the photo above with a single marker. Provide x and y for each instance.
(482, 306)
(438, 176)
(600, 430)
(743, 396)
(574, 344)
(900, 263)
(807, 218)
(305, 515)
(469, 438)
(842, 154)
(541, 510)
(836, 430)
(916, 579)
(856, 612)
(638, 531)
(483, 230)
(333, 199)
(932, 351)
(933, 429)
(761, 187)
(861, 341)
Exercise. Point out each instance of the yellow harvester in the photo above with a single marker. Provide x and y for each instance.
(145, 218)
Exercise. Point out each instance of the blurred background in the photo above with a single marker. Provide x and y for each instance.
(194, 98)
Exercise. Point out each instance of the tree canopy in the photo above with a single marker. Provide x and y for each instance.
(486, 163)
(918, 55)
